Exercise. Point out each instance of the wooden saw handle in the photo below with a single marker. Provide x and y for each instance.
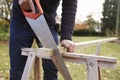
(38, 11)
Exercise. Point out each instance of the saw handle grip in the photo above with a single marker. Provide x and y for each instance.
(38, 11)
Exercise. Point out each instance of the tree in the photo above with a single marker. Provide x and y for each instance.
(92, 24)
(5, 12)
(5, 9)
(109, 16)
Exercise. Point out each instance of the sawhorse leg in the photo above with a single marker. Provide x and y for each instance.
(92, 69)
(37, 69)
(98, 53)
(31, 60)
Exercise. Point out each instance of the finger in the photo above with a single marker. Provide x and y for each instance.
(24, 5)
(21, 1)
(65, 44)
(71, 47)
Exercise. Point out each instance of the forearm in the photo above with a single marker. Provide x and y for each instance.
(68, 18)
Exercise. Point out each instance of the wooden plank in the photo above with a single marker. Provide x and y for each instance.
(94, 42)
(28, 66)
(86, 56)
(42, 52)
(49, 53)
(78, 45)
(103, 61)
(83, 61)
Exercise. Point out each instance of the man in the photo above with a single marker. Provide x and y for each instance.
(21, 35)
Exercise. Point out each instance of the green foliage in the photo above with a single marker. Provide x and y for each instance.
(109, 16)
(92, 24)
(5, 9)
(87, 32)
(5, 12)
(4, 26)
(4, 30)
(4, 36)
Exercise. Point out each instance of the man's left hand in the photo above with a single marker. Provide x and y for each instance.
(70, 45)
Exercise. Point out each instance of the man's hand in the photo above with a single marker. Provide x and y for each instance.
(27, 5)
(68, 44)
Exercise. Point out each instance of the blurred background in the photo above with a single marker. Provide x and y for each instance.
(95, 19)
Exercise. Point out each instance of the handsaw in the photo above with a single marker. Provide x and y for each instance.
(40, 28)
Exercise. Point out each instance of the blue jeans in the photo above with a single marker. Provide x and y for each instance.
(22, 36)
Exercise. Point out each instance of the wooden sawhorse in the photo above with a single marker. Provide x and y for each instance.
(91, 61)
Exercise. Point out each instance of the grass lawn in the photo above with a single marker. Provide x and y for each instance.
(77, 71)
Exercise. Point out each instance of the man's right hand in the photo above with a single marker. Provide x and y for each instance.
(27, 5)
